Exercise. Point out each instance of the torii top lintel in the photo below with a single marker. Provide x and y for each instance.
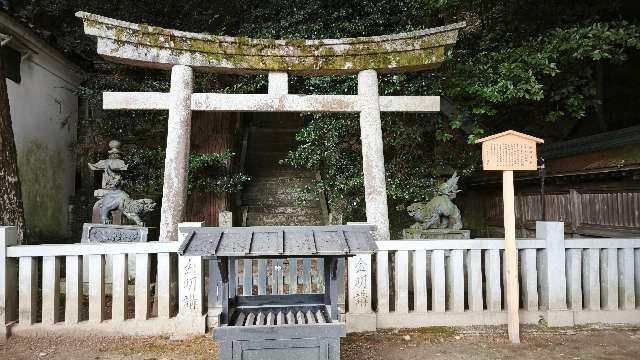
(148, 46)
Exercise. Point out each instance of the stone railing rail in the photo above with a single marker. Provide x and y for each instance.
(407, 283)
(563, 282)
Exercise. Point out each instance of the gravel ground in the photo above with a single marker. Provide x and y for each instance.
(429, 343)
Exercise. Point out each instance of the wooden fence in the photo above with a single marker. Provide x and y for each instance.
(586, 212)
(407, 283)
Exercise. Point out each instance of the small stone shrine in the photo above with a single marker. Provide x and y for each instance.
(278, 326)
(439, 218)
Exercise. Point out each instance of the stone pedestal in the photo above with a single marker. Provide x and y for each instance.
(108, 233)
(436, 234)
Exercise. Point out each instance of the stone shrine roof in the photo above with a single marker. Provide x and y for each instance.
(149, 46)
(279, 241)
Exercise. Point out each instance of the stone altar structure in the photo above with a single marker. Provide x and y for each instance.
(154, 47)
(439, 218)
(112, 203)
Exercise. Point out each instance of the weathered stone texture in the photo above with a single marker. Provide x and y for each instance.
(174, 191)
(375, 187)
(150, 46)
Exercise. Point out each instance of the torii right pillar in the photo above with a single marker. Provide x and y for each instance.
(375, 187)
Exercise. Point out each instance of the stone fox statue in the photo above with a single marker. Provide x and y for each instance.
(120, 200)
(440, 212)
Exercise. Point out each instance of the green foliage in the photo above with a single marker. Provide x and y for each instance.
(528, 65)
(554, 70)
(207, 172)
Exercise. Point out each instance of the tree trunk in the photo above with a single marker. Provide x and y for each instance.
(211, 132)
(11, 210)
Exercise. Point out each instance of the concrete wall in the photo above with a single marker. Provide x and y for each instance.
(44, 111)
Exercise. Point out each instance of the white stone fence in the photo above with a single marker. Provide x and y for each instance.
(563, 282)
(33, 301)
(405, 284)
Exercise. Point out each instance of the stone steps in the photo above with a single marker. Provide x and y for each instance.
(271, 198)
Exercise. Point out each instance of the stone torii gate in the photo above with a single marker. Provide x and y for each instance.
(143, 45)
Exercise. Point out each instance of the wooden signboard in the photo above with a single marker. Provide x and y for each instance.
(509, 151)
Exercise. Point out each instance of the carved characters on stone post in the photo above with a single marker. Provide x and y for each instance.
(189, 285)
(361, 283)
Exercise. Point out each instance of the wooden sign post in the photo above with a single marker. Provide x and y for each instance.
(509, 151)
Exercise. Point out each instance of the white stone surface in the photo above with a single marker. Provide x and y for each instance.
(455, 281)
(438, 281)
(637, 275)
(359, 286)
(28, 290)
(50, 290)
(165, 275)
(174, 189)
(120, 287)
(420, 297)
(451, 244)
(191, 286)
(609, 279)
(626, 290)
(492, 279)
(96, 288)
(90, 249)
(574, 278)
(143, 271)
(73, 289)
(591, 278)
(272, 102)
(402, 281)
(474, 280)
(278, 83)
(382, 280)
(529, 275)
(554, 289)
(225, 219)
(375, 187)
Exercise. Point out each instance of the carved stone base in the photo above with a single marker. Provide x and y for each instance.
(100, 233)
(361, 322)
(435, 234)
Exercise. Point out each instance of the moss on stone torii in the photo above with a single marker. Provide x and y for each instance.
(150, 46)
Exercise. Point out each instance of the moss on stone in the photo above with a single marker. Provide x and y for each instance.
(290, 55)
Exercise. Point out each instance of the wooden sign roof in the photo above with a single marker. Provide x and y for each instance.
(279, 241)
(151, 46)
(509, 150)
(510, 132)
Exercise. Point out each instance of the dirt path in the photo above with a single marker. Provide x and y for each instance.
(431, 343)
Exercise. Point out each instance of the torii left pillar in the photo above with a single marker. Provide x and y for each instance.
(375, 188)
(174, 190)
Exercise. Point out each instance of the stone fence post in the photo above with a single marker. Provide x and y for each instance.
(360, 316)
(191, 316)
(214, 297)
(553, 281)
(8, 280)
